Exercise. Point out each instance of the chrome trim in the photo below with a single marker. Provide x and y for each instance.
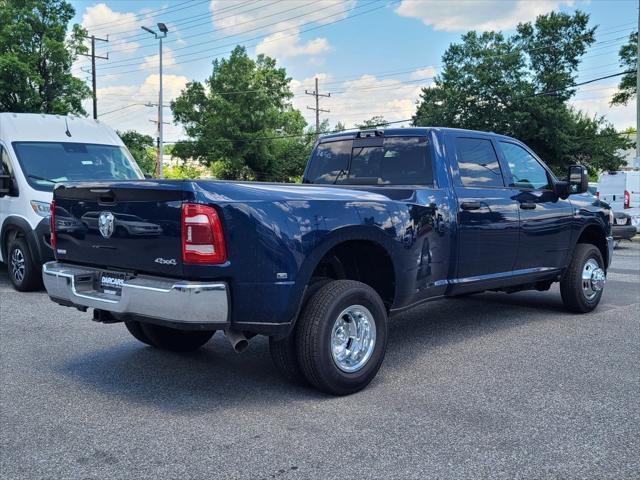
(167, 299)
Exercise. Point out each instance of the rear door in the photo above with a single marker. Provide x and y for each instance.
(545, 218)
(133, 226)
(487, 213)
(611, 188)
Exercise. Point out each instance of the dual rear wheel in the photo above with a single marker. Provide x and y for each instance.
(339, 341)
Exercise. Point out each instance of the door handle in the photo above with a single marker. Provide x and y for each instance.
(470, 205)
(527, 205)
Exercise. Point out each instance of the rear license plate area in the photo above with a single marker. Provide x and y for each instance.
(111, 283)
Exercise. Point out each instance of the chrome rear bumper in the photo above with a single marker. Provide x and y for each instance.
(172, 300)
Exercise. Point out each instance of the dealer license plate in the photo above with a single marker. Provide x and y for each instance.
(111, 282)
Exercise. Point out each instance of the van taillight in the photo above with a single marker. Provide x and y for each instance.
(597, 194)
(52, 224)
(202, 236)
(627, 199)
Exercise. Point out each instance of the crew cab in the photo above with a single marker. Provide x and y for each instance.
(384, 220)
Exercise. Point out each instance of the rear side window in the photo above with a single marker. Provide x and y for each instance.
(330, 161)
(478, 163)
(398, 161)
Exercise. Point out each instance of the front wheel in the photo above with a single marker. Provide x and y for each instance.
(174, 339)
(24, 273)
(582, 285)
(341, 337)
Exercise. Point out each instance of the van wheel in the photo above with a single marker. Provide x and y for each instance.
(24, 273)
(174, 339)
(582, 285)
(341, 337)
(284, 352)
(135, 329)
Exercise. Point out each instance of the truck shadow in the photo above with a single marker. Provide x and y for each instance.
(215, 377)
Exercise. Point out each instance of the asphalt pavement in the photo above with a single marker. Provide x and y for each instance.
(488, 386)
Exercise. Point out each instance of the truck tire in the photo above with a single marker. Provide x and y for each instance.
(341, 337)
(174, 339)
(135, 329)
(582, 285)
(284, 352)
(25, 274)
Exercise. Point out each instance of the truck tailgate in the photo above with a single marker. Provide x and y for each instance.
(132, 226)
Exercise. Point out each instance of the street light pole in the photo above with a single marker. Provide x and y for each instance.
(164, 30)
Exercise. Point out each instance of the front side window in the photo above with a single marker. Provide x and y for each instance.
(398, 161)
(478, 163)
(525, 169)
(5, 163)
(46, 163)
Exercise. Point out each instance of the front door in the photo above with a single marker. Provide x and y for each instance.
(487, 213)
(545, 218)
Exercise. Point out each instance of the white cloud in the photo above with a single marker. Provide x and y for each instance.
(596, 102)
(128, 104)
(120, 26)
(272, 19)
(461, 15)
(283, 45)
(151, 61)
(354, 101)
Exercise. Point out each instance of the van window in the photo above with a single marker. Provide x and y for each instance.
(525, 169)
(399, 161)
(5, 163)
(478, 163)
(46, 163)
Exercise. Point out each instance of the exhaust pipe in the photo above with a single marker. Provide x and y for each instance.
(237, 340)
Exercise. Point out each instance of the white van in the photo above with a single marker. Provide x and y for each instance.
(36, 152)
(621, 190)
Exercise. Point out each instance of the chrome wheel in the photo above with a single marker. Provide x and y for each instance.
(353, 338)
(17, 265)
(593, 279)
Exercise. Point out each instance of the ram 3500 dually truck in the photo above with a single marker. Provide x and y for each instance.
(384, 221)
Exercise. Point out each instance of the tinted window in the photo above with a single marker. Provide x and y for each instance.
(46, 163)
(400, 161)
(478, 163)
(525, 169)
(329, 160)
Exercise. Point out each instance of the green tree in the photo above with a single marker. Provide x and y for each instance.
(373, 122)
(240, 120)
(36, 55)
(142, 148)
(520, 86)
(628, 56)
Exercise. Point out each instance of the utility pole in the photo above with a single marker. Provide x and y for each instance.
(93, 69)
(637, 165)
(164, 30)
(316, 93)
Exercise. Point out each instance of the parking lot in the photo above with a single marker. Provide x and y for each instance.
(492, 385)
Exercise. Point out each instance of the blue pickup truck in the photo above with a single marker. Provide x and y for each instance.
(384, 220)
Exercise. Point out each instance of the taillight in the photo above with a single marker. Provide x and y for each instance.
(52, 224)
(597, 194)
(627, 199)
(202, 236)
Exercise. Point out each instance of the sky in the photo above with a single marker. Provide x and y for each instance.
(372, 56)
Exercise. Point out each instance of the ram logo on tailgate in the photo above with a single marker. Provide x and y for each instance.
(105, 224)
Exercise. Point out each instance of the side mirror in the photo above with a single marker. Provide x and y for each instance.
(578, 179)
(5, 185)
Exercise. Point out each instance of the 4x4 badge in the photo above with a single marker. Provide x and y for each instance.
(105, 224)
